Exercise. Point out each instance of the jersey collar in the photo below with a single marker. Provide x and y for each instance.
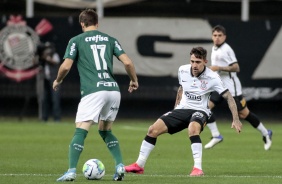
(217, 47)
(199, 73)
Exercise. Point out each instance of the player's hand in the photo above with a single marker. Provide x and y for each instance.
(214, 68)
(133, 86)
(237, 125)
(56, 85)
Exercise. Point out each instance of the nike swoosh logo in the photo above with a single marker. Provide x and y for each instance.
(90, 172)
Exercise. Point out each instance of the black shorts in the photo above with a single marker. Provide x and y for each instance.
(239, 100)
(179, 119)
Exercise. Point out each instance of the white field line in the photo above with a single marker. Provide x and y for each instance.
(153, 175)
(135, 128)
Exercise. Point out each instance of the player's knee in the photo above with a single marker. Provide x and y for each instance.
(242, 116)
(194, 129)
(153, 131)
(244, 113)
(193, 132)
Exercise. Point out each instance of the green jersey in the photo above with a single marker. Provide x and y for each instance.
(93, 52)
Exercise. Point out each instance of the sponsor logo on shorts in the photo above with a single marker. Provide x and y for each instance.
(243, 102)
(166, 114)
(198, 115)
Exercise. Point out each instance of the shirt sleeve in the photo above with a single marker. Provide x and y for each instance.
(71, 50)
(179, 77)
(219, 85)
(117, 49)
(231, 55)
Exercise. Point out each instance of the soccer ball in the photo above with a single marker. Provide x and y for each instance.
(93, 169)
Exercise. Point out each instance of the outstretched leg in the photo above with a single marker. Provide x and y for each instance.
(216, 137)
(255, 122)
(148, 144)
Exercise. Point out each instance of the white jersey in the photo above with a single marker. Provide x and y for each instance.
(196, 90)
(224, 56)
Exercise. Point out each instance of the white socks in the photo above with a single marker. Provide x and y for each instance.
(213, 128)
(262, 129)
(146, 149)
(144, 153)
(197, 154)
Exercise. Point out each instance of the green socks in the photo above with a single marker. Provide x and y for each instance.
(112, 144)
(76, 146)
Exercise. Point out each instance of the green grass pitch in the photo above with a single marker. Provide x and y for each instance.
(32, 152)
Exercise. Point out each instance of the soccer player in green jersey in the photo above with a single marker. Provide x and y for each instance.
(93, 52)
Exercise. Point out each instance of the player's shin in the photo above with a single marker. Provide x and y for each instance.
(148, 144)
(196, 147)
(112, 144)
(76, 146)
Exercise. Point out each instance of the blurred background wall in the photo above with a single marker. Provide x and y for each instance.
(157, 35)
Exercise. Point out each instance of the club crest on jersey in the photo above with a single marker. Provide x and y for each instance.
(204, 85)
(18, 45)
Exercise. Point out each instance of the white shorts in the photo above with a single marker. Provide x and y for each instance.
(102, 105)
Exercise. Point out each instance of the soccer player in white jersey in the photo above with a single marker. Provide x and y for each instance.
(92, 51)
(224, 62)
(191, 110)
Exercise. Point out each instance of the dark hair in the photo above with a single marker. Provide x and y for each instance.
(199, 52)
(89, 17)
(219, 28)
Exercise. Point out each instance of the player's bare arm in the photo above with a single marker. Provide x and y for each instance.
(62, 73)
(130, 69)
(231, 68)
(233, 108)
(178, 96)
